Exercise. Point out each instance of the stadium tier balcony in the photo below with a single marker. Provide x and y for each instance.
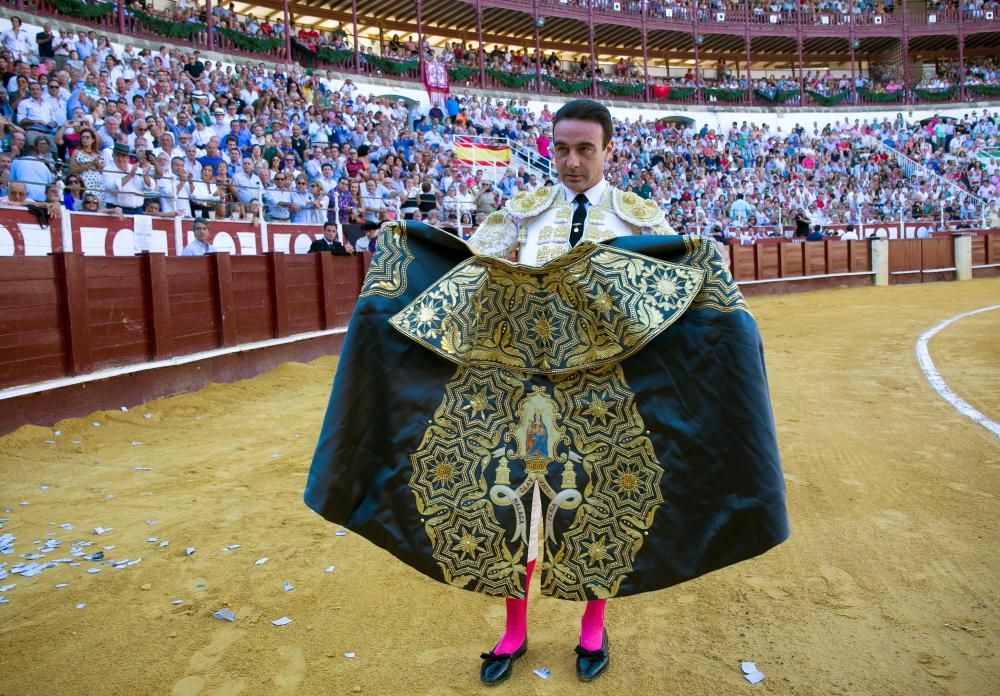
(713, 52)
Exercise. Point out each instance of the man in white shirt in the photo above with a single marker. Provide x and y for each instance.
(175, 189)
(127, 182)
(55, 99)
(35, 116)
(248, 184)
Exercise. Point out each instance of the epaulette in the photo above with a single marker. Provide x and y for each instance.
(531, 203)
(636, 210)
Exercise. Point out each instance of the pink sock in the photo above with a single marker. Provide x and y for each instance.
(517, 619)
(592, 625)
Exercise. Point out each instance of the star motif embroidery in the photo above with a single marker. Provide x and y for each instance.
(477, 403)
(466, 543)
(597, 551)
(603, 302)
(543, 329)
(444, 472)
(627, 482)
(598, 409)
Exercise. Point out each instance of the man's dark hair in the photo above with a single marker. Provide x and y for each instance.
(586, 110)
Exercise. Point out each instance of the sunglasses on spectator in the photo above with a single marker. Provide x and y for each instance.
(90, 201)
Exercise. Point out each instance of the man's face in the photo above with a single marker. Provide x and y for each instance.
(35, 90)
(201, 232)
(330, 232)
(17, 193)
(580, 154)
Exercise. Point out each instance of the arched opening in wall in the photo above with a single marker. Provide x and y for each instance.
(675, 120)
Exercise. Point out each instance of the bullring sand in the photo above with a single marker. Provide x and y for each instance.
(889, 584)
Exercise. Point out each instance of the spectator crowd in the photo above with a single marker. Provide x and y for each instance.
(91, 125)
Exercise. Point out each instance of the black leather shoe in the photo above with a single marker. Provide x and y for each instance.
(498, 668)
(590, 664)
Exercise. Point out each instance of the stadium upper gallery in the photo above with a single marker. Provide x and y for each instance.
(660, 52)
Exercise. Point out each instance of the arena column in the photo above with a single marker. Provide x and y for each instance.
(748, 40)
(210, 22)
(963, 256)
(905, 40)
(420, 37)
(880, 261)
(961, 53)
(538, 46)
(593, 50)
(357, 49)
(798, 50)
(645, 56)
(854, 73)
(288, 31)
(482, 49)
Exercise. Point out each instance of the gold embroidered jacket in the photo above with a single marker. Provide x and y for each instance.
(625, 379)
(537, 223)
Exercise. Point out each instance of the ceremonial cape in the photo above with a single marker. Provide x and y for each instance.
(626, 379)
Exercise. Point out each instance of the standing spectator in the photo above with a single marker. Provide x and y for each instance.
(302, 201)
(33, 172)
(247, 183)
(175, 188)
(44, 40)
(17, 41)
(34, 115)
(340, 203)
(127, 182)
(88, 162)
(279, 199)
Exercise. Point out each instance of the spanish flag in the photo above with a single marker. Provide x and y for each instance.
(468, 151)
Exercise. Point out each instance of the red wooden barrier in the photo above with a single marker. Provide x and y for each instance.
(70, 314)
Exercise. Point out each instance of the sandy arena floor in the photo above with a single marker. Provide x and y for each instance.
(889, 585)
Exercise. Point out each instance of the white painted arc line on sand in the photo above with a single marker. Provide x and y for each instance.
(937, 381)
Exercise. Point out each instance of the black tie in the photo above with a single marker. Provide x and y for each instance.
(579, 217)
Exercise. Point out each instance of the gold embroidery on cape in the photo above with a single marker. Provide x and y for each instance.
(544, 320)
(494, 237)
(386, 275)
(720, 292)
(583, 445)
(635, 209)
(529, 203)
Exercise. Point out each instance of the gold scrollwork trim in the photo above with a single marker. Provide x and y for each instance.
(386, 275)
(481, 454)
(719, 292)
(593, 306)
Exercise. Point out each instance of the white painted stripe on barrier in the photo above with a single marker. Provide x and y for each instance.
(13, 392)
(808, 277)
(937, 381)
